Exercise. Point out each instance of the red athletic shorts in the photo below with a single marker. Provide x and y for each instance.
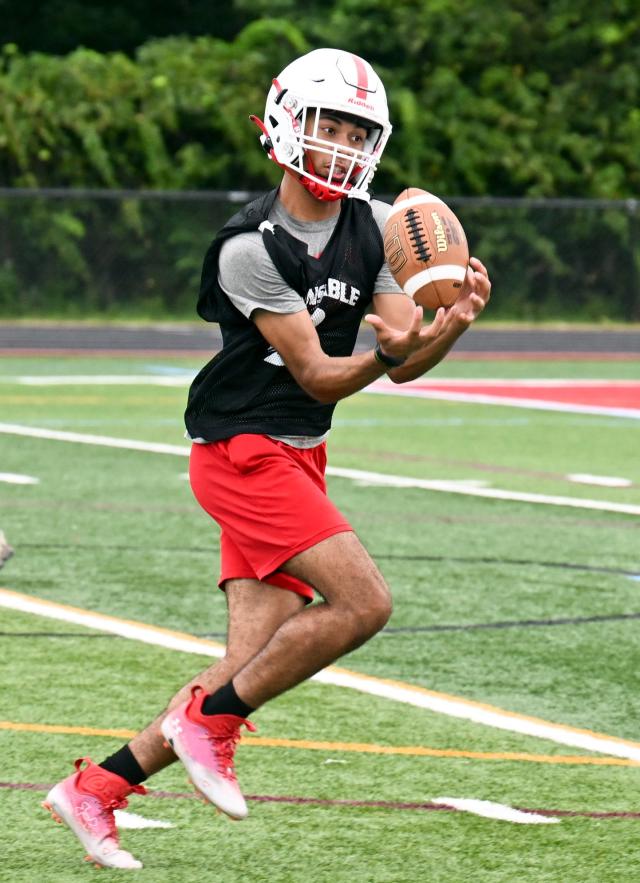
(270, 501)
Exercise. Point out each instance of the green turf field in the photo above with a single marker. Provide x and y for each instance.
(530, 609)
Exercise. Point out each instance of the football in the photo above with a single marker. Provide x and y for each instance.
(426, 248)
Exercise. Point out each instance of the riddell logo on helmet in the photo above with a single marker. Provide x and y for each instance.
(360, 103)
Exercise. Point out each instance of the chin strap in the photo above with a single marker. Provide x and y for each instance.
(316, 188)
(320, 191)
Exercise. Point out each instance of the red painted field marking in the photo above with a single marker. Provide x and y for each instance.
(612, 397)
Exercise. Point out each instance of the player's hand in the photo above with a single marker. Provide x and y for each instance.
(401, 344)
(474, 296)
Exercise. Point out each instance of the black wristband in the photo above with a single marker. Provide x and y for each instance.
(387, 361)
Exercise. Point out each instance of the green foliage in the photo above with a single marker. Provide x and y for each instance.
(175, 117)
(518, 99)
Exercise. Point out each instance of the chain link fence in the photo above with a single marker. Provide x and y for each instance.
(77, 253)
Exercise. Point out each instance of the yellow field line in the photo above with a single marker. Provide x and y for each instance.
(357, 747)
(397, 691)
(66, 731)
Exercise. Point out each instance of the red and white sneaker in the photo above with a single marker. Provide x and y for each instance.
(85, 802)
(206, 743)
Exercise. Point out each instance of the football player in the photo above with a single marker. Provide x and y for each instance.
(289, 279)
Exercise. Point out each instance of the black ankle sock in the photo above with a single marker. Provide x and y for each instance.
(226, 701)
(124, 764)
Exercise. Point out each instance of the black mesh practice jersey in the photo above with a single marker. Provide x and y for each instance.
(246, 388)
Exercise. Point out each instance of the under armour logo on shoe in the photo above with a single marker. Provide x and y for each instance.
(86, 813)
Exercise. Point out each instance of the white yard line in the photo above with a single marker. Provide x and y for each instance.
(469, 489)
(106, 441)
(422, 388)
(180, 380)
(600, 480)
(441, 703)
(490, 810)
(133, 820)
(18, 478)
(466, 488)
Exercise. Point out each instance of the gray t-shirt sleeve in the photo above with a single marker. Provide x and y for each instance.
(385, 283)
(248, 277)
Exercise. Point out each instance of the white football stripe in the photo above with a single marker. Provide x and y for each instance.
(413, 200)
(435, 274)
(490, 810)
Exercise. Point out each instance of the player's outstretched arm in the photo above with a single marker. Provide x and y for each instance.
(329, 378)
(324, 378)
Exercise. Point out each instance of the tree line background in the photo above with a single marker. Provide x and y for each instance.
(488, 98)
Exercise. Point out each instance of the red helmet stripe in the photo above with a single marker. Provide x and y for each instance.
(363, 77)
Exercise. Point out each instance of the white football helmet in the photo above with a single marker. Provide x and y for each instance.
(327, 80)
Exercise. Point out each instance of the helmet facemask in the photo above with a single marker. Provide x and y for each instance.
(339, 169)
